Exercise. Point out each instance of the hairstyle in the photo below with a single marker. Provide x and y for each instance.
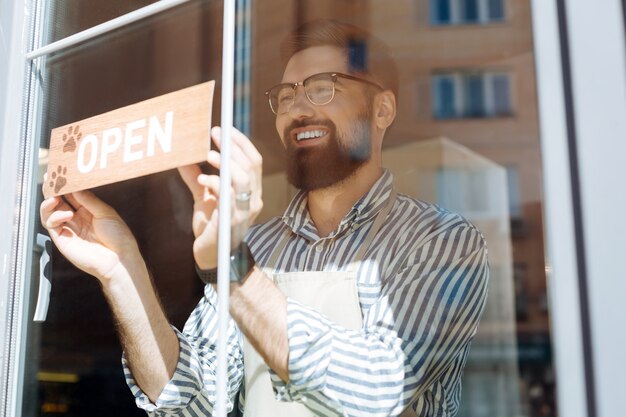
(366, 54)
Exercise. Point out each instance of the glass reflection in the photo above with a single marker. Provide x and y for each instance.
(465, 137)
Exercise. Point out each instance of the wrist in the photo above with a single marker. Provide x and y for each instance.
(125, 270)
(241, 265)
(205, 257)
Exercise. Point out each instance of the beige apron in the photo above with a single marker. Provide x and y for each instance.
(333, 294)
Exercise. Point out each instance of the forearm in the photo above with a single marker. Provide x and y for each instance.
(150, 343)
(401, 351)
(260, 310)
(343, 369)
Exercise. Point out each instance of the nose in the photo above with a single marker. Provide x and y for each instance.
(301, 108)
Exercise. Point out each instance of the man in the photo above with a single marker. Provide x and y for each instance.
(357, 301)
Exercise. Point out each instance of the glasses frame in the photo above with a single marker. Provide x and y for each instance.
(334, 77)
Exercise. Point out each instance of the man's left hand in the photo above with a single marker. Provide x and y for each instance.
(246, 182)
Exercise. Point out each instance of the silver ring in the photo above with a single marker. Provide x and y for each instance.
(243, 197)
(242, 200)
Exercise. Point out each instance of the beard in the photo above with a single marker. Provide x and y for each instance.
(329, 163)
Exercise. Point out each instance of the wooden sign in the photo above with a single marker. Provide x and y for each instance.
(151, 136)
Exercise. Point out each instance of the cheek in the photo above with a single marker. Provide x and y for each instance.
(280, 129)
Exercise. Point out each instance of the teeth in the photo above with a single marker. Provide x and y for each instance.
(310, 134)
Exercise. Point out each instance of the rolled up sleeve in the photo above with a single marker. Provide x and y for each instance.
(422, 323)
(192, 389)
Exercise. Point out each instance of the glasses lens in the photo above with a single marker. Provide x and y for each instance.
(281, 98)
(320, 88)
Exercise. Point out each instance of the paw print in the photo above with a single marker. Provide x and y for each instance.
(70, 138)
(58, 178)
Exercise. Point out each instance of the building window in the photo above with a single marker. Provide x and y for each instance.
(515, 201)
(471, 95)
(458, 12)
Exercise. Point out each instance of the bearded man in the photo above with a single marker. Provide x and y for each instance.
(356, 301)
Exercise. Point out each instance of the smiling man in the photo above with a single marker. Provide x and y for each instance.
(357, 301)
(319, 154)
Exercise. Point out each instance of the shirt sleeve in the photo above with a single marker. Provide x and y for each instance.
(192, 389)
(424, 320)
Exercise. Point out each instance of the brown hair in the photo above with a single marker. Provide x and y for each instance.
(366, 54)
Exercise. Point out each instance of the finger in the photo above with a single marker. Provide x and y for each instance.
(246, 145)
(71, 200)
(94, 205)
(52, 204)
(246, 156)
(58, 218)
(211, 183)
(239, 177)
(47, 207)
(55, 214)
(254, 157)
(190, 174)
(236, 154)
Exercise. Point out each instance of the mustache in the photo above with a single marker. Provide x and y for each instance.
(304, 123)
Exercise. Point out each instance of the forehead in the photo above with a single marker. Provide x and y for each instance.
(313, 61)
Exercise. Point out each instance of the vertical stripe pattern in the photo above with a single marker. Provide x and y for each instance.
(422, 288)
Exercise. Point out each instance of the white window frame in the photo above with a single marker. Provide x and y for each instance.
(582, 104)
(15, 158)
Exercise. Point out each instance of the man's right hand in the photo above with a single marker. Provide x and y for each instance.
(90, 234)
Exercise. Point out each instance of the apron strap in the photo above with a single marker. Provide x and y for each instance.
(273, 261)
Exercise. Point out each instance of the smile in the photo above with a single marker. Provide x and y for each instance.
(309, 134)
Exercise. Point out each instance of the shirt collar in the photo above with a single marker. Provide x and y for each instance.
(296, 216)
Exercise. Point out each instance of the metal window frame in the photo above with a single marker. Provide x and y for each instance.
(562, 270)
(17, 103)
(105, 27)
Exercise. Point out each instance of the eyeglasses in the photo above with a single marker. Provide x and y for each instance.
(318, 88)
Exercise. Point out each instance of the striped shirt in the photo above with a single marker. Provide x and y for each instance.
(422, 288)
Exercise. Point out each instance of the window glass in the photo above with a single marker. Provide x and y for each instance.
(71, 16)
(461, 12)
(496, 9)
(448, 150)
(470, 10)
(515, 207)
(501, 95)
(474, 96)
(444, 97)
(471, 94)
(76, 351)
(440, 11)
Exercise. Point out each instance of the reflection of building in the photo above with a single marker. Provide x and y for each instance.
(461, 180)
(466, 73)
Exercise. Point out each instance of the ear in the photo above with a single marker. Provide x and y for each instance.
(384, 109)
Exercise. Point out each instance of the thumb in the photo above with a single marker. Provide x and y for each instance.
(94, 205)
(189, 174)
